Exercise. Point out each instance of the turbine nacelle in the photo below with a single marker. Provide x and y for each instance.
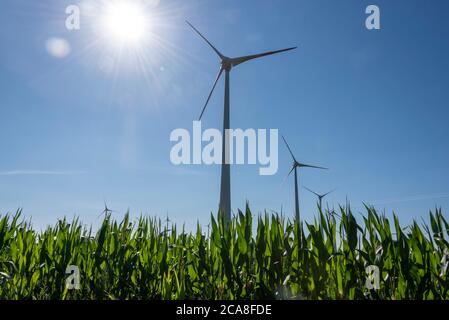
(226, 64)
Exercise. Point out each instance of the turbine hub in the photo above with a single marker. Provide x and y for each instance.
(226, 64)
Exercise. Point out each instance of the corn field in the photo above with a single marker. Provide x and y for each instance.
(270, 258)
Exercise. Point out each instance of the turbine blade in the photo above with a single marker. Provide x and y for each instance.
(210, 94)
(293, 168)
(312, 191)
(288, 175)
(208, 42)
(290, 150)
(302, 165)
(328, 193)
(239, 60)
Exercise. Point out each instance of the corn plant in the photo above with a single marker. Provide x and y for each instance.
(251, 257)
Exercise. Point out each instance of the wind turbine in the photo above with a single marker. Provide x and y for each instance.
(320, 196)
(227, 64)
(295, 166)
(106, 210)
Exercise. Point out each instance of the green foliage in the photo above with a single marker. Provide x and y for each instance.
(275, 259)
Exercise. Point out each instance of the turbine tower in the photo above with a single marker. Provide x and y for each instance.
(320, 196)
(297, 165)
(226, 65)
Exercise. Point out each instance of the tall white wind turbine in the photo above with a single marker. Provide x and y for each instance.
(226, 65)
(295, 166)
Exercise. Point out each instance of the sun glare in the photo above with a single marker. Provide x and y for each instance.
(125, 22)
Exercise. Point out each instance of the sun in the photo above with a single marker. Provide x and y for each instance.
(125, 22)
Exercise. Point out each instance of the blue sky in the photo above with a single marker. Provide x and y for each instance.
(370, 105)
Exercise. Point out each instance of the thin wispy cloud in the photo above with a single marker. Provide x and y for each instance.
(39, 173)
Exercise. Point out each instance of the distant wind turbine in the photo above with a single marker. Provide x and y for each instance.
(295, 166)
(226, 65)
(320, 196)
(106, 210)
